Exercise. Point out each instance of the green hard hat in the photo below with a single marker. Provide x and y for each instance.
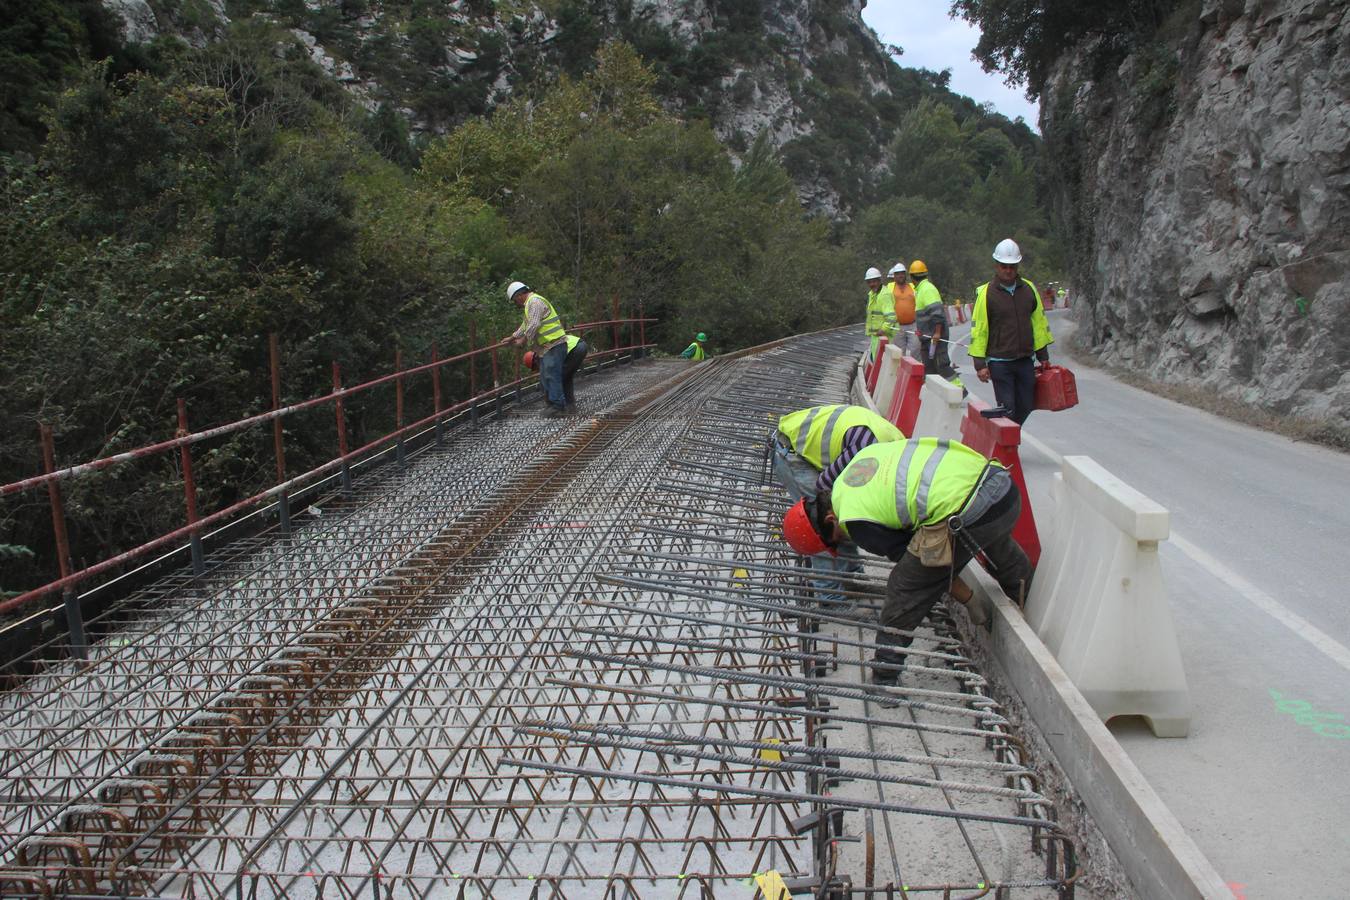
(700, 337)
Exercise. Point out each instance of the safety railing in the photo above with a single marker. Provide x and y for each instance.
(184, 440)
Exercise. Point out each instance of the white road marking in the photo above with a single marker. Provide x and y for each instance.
(1331, 648)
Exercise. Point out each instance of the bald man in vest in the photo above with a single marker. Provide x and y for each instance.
(541, 330)
(929, 506)
(810, 448)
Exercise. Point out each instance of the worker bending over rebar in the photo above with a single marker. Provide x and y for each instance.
(929, 506)
(810, 448)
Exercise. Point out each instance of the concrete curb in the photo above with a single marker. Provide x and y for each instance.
(1157, 854)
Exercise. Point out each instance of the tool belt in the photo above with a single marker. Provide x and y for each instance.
(932, 544)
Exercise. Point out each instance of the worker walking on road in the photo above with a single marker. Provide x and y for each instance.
(695, 350)
(880, 311)
(930, 318)
(572, 362)
(1008, 327)
(929, 506)
(541, 331)
(810, 448)
(902, 295)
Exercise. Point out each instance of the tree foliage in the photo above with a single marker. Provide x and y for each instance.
(1024, 38)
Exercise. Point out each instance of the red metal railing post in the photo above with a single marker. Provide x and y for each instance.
(614, 324)
(79, 645)
(190, 493)
(436, 391)
(399, 453)
(516, 358)
(473, 370)
(278, 440)
(642, 327)
(342, 430)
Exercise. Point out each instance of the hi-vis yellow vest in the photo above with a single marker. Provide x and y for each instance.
(550, 329)
(880, 313)
(979, 322)
(905, 484)
(817, 433)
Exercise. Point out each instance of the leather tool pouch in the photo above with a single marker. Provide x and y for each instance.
(932, 544)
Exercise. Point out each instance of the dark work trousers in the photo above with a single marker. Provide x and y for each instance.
(1015, 386)
(930, 321)
(913, 588)
(575, 357)
(550, 375)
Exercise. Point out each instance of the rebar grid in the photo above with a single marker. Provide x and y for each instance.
(546, 660)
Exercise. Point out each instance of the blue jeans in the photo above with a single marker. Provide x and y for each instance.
(798, 478)
(550, 375)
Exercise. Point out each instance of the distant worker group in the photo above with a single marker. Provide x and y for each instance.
(1008, 326)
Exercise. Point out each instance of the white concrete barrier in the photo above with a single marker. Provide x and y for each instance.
(1098, 601)
(890, 367)
(941, 409)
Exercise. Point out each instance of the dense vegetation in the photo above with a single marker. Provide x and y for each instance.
(165, 208)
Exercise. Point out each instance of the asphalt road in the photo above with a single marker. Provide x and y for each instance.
(1260, 529)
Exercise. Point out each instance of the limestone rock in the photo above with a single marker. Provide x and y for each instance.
(1211, 217)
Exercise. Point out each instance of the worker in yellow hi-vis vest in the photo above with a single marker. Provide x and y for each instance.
(928, 505)
(810, 448)
(541, 330)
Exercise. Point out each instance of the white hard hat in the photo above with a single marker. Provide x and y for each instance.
(897, 268)
(873, 272)
(513, 288)
(1007, 252)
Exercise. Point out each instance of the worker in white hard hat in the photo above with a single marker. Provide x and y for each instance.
(880, 311)
(902, 297)
(541, 330)
(1007, 328)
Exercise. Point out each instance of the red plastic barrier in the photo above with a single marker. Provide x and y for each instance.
(999, 439)
(874, 367)
(961, 313)
(905, 401)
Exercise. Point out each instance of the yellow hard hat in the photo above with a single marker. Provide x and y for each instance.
(918, 268)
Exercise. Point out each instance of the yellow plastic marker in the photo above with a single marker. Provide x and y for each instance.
(740, 573)
(771, 755)
(772, 886)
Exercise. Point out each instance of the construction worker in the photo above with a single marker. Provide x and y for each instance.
(695, 350)
(542, 331)
(880, 311)
(576, 356)
(1008, 327)
(810, 448)
(902, 294)
(928, 505)
(930, 317)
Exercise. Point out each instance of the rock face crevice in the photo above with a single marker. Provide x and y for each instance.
(1206, 191)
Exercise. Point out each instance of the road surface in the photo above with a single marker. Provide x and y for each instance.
(1260, 529)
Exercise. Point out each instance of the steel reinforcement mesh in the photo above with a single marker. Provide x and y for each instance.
(549, 657)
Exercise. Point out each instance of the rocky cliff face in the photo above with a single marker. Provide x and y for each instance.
(1207, 187)
(808, 73)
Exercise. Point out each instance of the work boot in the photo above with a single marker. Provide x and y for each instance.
(555, 412)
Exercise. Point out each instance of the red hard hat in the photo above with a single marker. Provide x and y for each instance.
(801, 535)
(531, 361)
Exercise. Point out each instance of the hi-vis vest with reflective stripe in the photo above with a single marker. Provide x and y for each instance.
(880, 312)
(550, 329)
(905, 484)
(817, 433)
(697, 355)
(572, 341)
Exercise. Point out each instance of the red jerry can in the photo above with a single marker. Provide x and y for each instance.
(1056, 388)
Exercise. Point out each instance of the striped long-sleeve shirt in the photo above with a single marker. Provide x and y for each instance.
(855, 439)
